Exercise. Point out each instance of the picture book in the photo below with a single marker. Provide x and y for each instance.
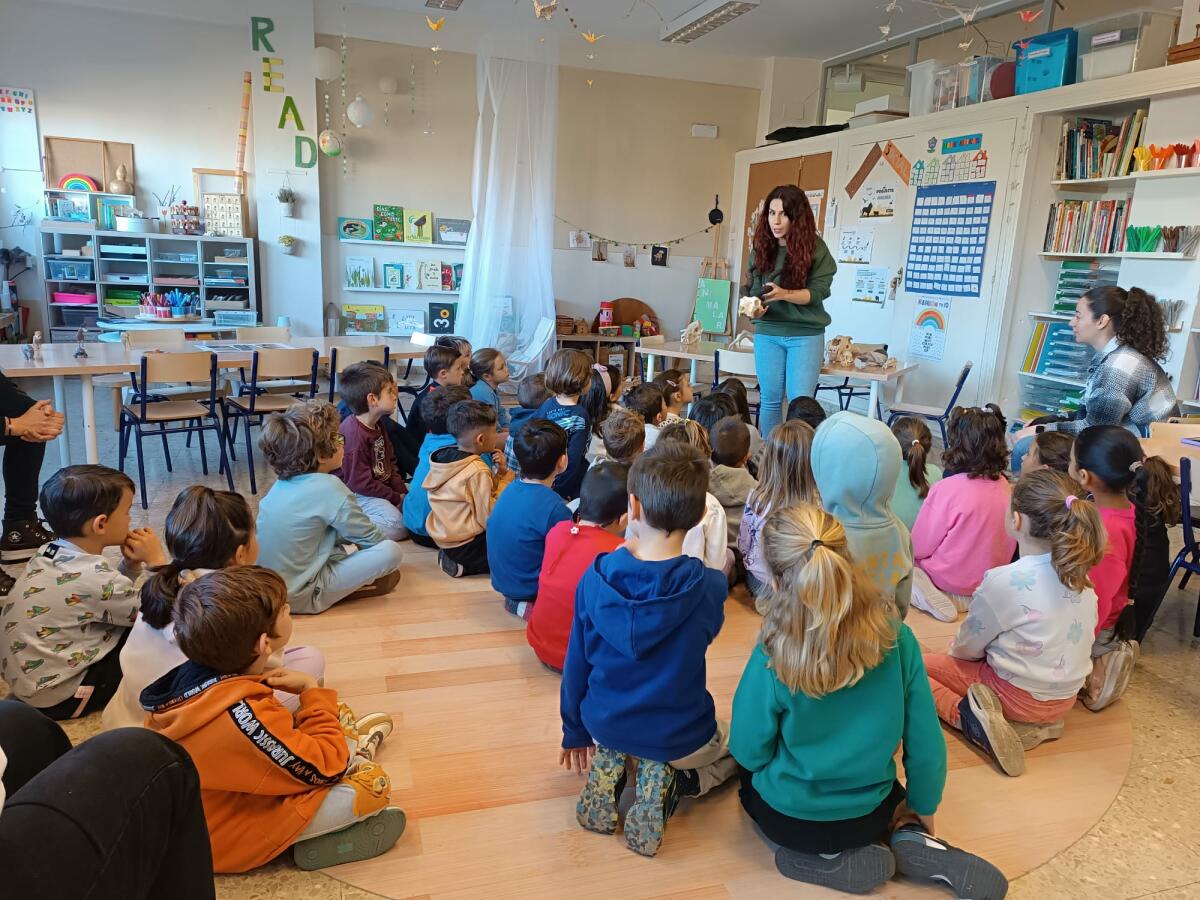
(453, 231)
(354, 229)
(360, 271)
(429, 275)
(393, 276)
(418, 226)
(369, 318)
(389, 222)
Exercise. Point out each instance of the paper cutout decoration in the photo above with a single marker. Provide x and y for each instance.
(856, 182)
(855, 245)
(898, 161)
(927, 340)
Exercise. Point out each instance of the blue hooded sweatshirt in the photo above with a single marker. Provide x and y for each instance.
(416, 501)
(635, 676)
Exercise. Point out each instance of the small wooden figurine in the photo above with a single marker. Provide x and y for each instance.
(80, 352)
(37, 345)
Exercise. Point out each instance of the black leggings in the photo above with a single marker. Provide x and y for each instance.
(118, 816)
(22, 459)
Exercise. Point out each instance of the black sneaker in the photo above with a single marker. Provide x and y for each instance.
(449, 566)
(22, 540)
(6, 583)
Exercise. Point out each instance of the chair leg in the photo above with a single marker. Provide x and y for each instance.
(141, 467)
(203, 450)
(1187, 566)
(226, 466)
(942, 426)
(1196, 626)
(250, 458)
(230, 434)
(122, 443)
(162, 427)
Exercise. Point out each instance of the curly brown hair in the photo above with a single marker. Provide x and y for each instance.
(975, 444)
(801, 238)
(1136, 316)
(297, 440)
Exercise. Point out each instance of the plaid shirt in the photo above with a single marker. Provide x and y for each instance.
(1123, 388)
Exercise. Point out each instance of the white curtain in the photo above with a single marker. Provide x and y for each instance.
(507, 285)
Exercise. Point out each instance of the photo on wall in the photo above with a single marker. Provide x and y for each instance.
(658, 255)
(599, 251)
(629, 256)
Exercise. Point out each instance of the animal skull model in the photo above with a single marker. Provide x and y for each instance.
(691, 334)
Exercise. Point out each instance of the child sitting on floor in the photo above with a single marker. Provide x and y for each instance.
(599, 400)
(730, 481)
(1108, 461)
(416, 502)
(531, 394)
(832, 689)
(785, 479)
(808, 410)
(916, 475)
(444, 366)
(403, 447)
(571, 548)
(959, 533)
(1049, 450)
(489, 369)
(1024, 649)
(708, 541)
(624, 436)
(309, 514)
(205, 530)
(368, 460)
(647, 401)
(860, 497)
(634, 679)
(736, 389)
(677, 391)
(268, 780)
(524, 514)
(69, 614)
(568, 374)
(463, 489)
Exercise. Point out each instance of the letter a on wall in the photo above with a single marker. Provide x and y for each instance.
(289, 111)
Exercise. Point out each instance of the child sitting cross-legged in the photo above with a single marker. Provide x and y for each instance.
(1025, 647)
(489, 370)
(676, 386)
(833, 688)
(70, 612)
(269, 779)
(205, 530)
(462, 489)
(368, 460)
(709, 540)
(624, 434)
(436, 406)
(730, 481)
(568, 375)
(917, 475)
(309, 514)
(1049, 450)
(647, 401)
(531, 394)
(571, 548)
(444, 365)
(524, 514)
(634, 680)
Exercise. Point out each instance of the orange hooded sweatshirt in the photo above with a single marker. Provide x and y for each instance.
(462, 491)
(262, 777)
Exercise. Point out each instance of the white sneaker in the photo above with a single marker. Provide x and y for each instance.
(1032, 735)
(1110, 677)
(927, 598)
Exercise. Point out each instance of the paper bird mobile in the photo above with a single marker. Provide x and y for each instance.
(966, 45)
(544, 10)
(435, 26)
(1029, 16)
(894, 6)
(968, 17)
(590, 37)
(589, 81)
(436, 48)
(885, 30)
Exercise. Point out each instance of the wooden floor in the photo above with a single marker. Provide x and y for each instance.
(474, 764)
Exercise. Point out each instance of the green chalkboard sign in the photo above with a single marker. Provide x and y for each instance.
(712, 304)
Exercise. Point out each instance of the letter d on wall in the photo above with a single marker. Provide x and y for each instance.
(306, 152)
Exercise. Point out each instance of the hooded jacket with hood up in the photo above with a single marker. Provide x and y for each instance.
(856, 461)
(263, 775)
(462, 491)
(635, 675)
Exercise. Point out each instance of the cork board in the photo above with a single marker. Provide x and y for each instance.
(809, 173)
(96, 159)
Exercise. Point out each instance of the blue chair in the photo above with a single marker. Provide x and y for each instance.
(932, 413)
(845, 391)
(1188, 558)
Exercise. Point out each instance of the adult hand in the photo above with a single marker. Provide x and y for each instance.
(38, 424)
(577, 759)
(927, 824)
(142, 547)
(1027, 431)
(289, 681)
(772, 291)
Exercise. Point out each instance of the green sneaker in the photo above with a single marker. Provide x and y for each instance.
(363, 840)
(656, 798)
(597, 807)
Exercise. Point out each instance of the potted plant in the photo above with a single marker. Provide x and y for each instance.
(287, 201)
(287, 244)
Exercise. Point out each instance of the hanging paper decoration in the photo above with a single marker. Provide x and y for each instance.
(597, 236)
(590, 37)
(325, 63)
(544, 10)
(435, 26)
(1028, 16)
(329, 143)
(360, 112)
(387, 86)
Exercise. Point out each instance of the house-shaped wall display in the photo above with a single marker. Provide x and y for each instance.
(979, 165)
(918, 172)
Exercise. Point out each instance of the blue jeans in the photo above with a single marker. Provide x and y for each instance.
(785, 365)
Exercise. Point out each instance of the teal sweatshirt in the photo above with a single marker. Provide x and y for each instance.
(856, 461)
(831, 758)
(790, 319)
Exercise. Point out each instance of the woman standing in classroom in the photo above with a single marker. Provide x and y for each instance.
(791, 262)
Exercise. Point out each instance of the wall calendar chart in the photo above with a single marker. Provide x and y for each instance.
(949, 237)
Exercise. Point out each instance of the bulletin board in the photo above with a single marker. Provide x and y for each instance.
(97, 159)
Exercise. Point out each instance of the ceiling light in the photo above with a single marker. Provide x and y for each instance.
(451, 5)
(700, 20)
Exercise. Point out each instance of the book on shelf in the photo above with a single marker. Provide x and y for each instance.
(1087, 226)
(1053, 352)
(1098, 148)
(1078, 276)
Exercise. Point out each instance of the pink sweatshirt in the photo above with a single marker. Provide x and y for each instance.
(1111, 575)
(959, 533)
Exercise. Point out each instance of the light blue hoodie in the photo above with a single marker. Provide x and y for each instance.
(856, 461)
(416, 501)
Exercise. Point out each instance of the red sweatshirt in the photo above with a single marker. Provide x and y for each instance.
(570, 550)
(1111, 574)
(369, 462)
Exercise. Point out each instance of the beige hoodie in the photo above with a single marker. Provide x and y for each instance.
(462, 491)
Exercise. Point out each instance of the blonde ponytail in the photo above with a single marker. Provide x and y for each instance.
(827, 624)
(1054, 506)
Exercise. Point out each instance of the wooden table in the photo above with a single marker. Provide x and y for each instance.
(597, 340)
(707, 350)
(60, 363)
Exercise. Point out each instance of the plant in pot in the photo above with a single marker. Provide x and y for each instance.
(287, 244)
(287, 201)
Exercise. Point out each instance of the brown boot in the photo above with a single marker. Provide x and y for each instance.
(377, 588)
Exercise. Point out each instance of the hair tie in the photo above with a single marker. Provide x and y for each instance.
(604, 376)
(915, 443)
(187, 576)
(815, 544)
(1135, 465)
(1071, 498)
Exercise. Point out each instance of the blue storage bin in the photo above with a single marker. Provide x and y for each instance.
(1046, 60)
(70, 269)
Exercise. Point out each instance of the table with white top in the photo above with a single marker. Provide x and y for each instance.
(58, 361)
(705, 351)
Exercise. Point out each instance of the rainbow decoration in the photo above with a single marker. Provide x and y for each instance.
(931, 318)
(73, 181)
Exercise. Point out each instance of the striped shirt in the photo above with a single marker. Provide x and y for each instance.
(1124, 388)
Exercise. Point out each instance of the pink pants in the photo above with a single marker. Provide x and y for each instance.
(949, 679)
